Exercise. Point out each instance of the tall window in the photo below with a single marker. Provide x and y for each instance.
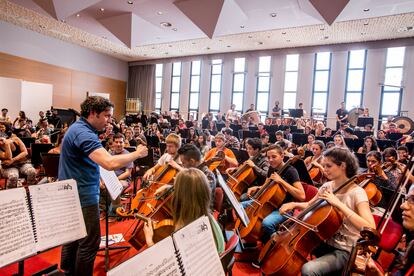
(291, 81)
(238, 83)
(263, 86)
(321, 77)
(194, 88)
(158, 87)
(175, 86)
(392, 89)
(215, 85)
(355, 78)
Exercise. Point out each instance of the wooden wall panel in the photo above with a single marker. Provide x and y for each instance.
(69, 86)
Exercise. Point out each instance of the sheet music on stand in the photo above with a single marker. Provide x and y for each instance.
(241, 213)
(111, 182)
(39, 218)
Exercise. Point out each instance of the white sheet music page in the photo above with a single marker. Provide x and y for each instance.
(57, 213)
(197, 248)
(160, 259)
(111, 182)
(16, 231)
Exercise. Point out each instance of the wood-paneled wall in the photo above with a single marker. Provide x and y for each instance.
(69, 86)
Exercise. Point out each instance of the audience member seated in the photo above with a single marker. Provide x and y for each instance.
(14, 161)
(4, 118)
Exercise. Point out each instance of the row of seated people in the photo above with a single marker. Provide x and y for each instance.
(338, 165)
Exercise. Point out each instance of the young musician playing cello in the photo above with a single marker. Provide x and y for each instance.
(314, 163)
(170, 156)
(191, 200)
(229, 159)
(339, 165)
(289, 180)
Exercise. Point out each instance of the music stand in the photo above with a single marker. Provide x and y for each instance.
(238, 208)
(107, 248)
(37, 149)
(296, 113)
(363, 121)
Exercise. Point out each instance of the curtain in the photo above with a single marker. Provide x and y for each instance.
(141, 84)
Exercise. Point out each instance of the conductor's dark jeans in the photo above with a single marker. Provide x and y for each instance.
(78, 257)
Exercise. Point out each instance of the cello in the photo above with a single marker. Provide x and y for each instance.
(242, 178)
(269, 197)
(287, 251)
(315, 172)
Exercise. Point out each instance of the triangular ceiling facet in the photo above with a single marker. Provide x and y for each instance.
(204, 14)
(330, 11)
(62, 9)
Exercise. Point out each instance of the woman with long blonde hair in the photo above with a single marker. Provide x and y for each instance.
(191, 200)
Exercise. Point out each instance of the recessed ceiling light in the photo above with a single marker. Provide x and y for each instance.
(322, 29)
(283, 33)
(159, 12)
(130, 2)
(78, 15)
(273, 14)
(208, 48)
(102, 9)
(366, 24)
(241, 26)
(166, 24)
(174, 29)
(259, 43)
(366, 10)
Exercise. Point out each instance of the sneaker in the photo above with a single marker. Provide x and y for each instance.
(256, 264)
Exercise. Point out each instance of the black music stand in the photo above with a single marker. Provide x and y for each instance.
(363, 121)
(107, 247)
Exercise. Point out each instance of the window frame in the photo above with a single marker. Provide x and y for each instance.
(328, 86)
(362, 91)
(221, 85)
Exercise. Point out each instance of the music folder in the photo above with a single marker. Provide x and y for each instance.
(240, 212)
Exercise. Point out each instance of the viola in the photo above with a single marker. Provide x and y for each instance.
(269, 197)
(286, 252)
(373, 193)
(242, 178)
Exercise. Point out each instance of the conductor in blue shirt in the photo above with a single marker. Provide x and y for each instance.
(80, 158)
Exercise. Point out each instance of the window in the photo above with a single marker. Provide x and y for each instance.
(195, 76)
(238, 83)
(158, 87)
(391, 91)
(291, 81)
(263, 86)
(215, 85)
(175, 86)
(355, 78)
(322, 71)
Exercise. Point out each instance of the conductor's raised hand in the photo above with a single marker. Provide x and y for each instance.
(141, 151)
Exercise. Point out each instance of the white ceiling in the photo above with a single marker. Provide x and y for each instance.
(241, 26)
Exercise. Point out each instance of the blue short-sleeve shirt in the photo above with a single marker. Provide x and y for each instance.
(80, 140)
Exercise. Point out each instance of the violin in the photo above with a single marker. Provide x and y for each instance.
(217, 160)
(286, 252)
(242, 178)
(373, 193)
(315, 172)
(269, 197)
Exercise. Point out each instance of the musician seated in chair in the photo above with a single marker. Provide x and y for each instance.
(314, 162)
(173, 142)
(407, 267)
(288, 179)
(190, 157)
(229, 159)
(352, 202)
(231, 141)
(256, 161)
(191, 200)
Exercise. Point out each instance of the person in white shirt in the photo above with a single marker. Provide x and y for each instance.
(232, 114)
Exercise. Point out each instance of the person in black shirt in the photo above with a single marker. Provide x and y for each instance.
(341, 115)
(289, 180)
